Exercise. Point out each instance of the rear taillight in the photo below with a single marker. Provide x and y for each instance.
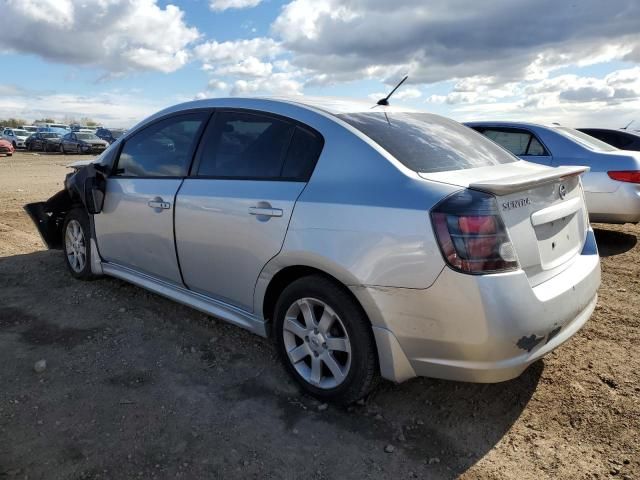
(471, 234)
(631, 176)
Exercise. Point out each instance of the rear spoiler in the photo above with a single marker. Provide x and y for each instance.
(517, 183)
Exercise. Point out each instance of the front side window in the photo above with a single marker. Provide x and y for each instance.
(428, 143)
(163, 149)
(518, 142)
(244, 145)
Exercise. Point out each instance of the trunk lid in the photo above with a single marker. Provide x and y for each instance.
(542, 208)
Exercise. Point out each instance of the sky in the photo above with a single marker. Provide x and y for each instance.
(576, 62)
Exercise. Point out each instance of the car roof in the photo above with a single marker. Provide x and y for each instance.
(614, 130)
(510, 124)
(332, 105)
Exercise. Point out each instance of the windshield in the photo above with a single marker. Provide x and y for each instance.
(50, 135)
(86, 136)
(428, 143)
(585, 140)
(20, 133)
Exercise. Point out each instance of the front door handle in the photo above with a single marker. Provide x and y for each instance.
(159, 204)
(265, 212)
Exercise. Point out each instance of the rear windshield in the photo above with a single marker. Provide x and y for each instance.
(585, 140)
(428, 143)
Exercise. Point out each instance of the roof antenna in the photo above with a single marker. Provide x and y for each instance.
(385, 101)
(628, 125)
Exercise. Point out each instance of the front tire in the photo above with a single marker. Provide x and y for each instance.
(77, 245)
(325, 340)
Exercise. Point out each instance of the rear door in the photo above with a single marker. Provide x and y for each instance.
(135, 227)
(521, 142)
(232, 213)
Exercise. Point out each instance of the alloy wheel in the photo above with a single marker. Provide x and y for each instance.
(76, 248)
(317, 343)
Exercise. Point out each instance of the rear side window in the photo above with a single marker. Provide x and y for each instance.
(518, 142)
(302, 155)
(244, 145)
(428, 143)
(164, 149)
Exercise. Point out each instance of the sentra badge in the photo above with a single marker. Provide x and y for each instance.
(511, 204)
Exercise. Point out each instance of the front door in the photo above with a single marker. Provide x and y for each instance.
(232, 214)
(135, 227)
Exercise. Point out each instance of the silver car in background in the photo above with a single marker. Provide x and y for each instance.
(366, 242)
(16, 136)
(612, 186)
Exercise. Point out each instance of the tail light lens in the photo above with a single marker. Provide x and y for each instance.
(471, 234)
(631, 176)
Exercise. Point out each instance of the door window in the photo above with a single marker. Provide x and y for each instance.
(164, 149)
(518, 142)
(244, 145)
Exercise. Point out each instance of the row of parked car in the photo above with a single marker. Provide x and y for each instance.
(58, 138)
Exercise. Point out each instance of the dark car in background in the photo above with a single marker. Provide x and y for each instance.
(82, 142)
(45, 141)
(621, 139)
(110, 135)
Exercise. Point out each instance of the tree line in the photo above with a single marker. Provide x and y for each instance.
(18, 122)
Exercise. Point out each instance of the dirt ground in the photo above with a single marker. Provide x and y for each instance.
(137, 386)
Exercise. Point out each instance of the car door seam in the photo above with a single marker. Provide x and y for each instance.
(173, 228)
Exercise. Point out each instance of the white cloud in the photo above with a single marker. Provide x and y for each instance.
(217, 85)
(250, 67)
(276, 84)
(112, 108)
(212, 52)
(573, 100)
(221, 5)
(118, 36)
(342, 40)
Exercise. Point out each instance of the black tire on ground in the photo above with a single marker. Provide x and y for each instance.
(9, 154)
(14, 145)
(77, 219)
(363, 373)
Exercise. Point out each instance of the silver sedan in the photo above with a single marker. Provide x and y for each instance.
(612, 186)
(366, 242)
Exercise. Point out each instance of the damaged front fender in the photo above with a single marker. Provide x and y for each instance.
(84, 188)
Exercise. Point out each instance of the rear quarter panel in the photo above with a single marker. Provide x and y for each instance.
(363, 218)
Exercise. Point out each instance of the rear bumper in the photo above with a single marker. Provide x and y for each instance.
(480, 328)
(619, 206)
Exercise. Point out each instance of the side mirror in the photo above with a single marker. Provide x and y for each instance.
(94, 194)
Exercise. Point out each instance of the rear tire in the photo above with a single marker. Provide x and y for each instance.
(76, 244)
(325, 340)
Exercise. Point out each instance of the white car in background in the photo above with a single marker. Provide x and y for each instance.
(16, 136)
(612, 185)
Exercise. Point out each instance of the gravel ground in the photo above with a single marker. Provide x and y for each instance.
(136, 386)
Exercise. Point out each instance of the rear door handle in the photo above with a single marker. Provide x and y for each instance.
(265, 212)
(159, 204)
